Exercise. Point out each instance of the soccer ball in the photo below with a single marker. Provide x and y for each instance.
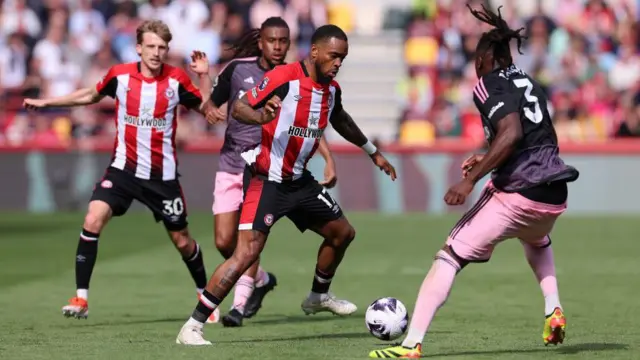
(387, 318)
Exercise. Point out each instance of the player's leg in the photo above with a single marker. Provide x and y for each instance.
(111, 197)
(168, 204)
(318, 211)
(227, 195)
(471, 240)
(539, 254)
(260, 211)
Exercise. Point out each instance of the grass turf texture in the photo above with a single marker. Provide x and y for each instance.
(142, 293)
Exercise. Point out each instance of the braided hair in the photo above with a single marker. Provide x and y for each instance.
(497, 39)
(247, 45)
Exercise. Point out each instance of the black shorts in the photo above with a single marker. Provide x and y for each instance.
(164, 198)
(304, 201)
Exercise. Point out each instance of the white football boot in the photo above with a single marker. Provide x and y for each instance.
(191, 335)
(328, 303)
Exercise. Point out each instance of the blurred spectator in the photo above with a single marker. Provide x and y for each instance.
(583, 52)
(18, 18)
(53, 47)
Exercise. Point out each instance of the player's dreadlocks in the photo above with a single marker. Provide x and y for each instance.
(497, 39)
(247, 45)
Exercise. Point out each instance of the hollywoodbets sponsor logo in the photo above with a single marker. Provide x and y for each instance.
(305, 132)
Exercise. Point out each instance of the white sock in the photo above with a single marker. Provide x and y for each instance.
(551, 302)
(199, 291)
(317, 297)
(194, 323)
(83, 293)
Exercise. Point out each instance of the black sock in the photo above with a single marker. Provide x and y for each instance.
(195, 264)
(86, 255)
(321, 282)
(205, 306)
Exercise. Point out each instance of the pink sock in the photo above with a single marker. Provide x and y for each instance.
(543, 266)
(262, 278)
(244, 288)
(433, 293)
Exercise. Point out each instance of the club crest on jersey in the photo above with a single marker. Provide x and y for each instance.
(106, 184)
(263, 84)
(330, 100)
(268, 219)
(169, 93)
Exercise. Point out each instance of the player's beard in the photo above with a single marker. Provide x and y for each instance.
(322, 78)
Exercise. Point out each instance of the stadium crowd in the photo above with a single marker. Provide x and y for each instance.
(52, 47)
(585, 53)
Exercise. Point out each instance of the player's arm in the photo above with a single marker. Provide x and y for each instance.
(343, 123)
(107, 86)
(509, 133)
(323, 149)
(189, 95)
(272, 89)
(501, 107)
(216, 93)
(221, 89)
(84, 96)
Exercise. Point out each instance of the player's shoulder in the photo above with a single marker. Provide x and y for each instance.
(493, 82)
(287, 72)
(234, 64)
(122, 69)
(177, 73)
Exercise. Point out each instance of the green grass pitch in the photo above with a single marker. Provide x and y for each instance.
(141, 292)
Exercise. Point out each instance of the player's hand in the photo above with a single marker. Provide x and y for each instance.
(34, 104)
(458, 193)
(214, 114)
(271, 108)
(199, 63)
(330, 177)
(383, 164)
(469, 163)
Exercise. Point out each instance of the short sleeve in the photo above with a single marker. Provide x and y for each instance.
(188, 93)
(494, 100)
(275, 82)
(222, 85)
(108, 85)
(337, 100)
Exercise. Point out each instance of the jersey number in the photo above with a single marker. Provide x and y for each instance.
(327, 199)
(173, 207)
(536, 115)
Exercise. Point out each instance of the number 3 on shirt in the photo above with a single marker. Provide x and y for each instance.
(534, 117)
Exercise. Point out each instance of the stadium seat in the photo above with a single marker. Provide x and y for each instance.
(417, 132)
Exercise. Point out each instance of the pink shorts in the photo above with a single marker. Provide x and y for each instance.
(227, 192)
(498, 216)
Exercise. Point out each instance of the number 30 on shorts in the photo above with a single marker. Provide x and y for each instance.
(173, 207)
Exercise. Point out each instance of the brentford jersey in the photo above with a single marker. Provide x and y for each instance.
(146, 118)
(289, 141)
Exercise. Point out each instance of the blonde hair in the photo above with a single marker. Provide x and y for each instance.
(154, 26)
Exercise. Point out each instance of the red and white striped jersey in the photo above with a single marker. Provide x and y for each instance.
(289, 141)
(146, 118)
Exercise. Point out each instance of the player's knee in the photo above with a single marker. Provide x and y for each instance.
(94, 222)
(344, 236)
(248, 249)
(182, 241)
(225, 242)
